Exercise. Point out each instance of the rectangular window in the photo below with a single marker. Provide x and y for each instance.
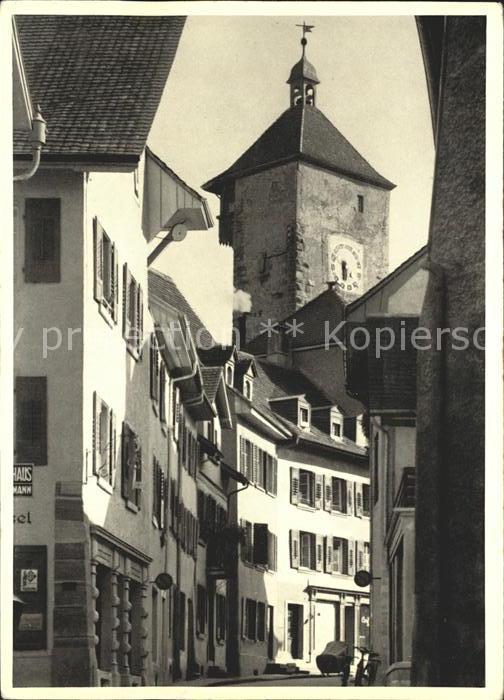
(132, 313)
(261, 622)
(307, 550)
(201, 610)
(31, 420)
(306, 487)
(162, 393)
(360, 203)
(336, 430)
(261, 544)
(106, 272)
(181, 620)
(339, 495)
(159, 495)
(42, 240)
(131, 463)
(104, 441)
(220, 609)
(251, 619)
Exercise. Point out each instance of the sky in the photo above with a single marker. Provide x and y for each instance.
(228, 84)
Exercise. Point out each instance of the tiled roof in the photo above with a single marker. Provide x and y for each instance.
(98, 80)
(273, 381)
(211, 380)
(163, 287)
(302, 133)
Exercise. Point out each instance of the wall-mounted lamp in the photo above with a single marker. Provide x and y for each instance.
(37, 140)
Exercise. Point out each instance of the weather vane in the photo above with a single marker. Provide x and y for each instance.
(306, 28)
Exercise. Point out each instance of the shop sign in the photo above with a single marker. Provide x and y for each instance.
(23, 480)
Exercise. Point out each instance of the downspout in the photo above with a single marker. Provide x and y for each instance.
(176, 623)
(37, 139)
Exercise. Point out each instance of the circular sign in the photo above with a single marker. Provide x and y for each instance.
(362, 578)
(163, 581)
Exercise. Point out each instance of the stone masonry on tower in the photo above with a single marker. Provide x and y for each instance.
(301, 208)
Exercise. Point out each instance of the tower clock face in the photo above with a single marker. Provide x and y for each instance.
(345, 261)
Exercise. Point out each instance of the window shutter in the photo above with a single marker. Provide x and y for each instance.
(137, 473)
(260, 543)
(154, 368)
(243, 544)
(294, 485)
(349, 494)
(319, 490)
(366, 557)
(126, 467)
(274, 464)
(42, 240)
(243, 618)
(360, 556)
(365, 499)
(98, 258)
(249, 458)
(351, 557)
(139, 319)
(126, 302)
(319, 552)
(113, 447)
(243, 455)
(344, 556)
(294, 548)
(327, 493)
(178, 413)
(96, 433)
(358, 499)
(115, 283)
(255, 464)
(31, 420)
(328, 551)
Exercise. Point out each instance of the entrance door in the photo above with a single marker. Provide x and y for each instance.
(294, 630)
(327, 625)
(271, 634)
(211, 624)
(350, 628)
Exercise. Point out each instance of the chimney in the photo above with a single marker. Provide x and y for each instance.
(240, 330)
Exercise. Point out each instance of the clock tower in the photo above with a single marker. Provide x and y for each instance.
(302, 208)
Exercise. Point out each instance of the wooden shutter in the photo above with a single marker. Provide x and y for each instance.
(115, 282)
(327, 493)
(126, 303)
(328, 552)
(344, 556)
(137, 474)
(319, 552)
(31, 420)
(154, 368)
(319, 490)
(349, 493)
(42, 240)
(96, 434)
(113, 447)
(351, 557)
(177, 413)
(274, 464)
(294, 491)
(366, 557)
(359, 564)
(260, 544)
(139, 319)
(243, 456)
(98, 260)
(243, 618)
(126, 467)
(294, 548)
(255, 464)
(358, 499)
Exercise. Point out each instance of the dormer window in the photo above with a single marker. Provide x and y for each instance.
(229, 375)
(303, 415)
(247, 388)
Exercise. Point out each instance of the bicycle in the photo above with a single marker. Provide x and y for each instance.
(365, 673)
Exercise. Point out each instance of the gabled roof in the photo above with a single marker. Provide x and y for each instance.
(211, 379)
(217, 356)
(301, 133)
(164, 288)
(98, 80)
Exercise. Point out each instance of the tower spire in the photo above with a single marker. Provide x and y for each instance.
(303, 77)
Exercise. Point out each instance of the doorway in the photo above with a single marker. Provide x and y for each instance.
(350, 628)
(295, 630)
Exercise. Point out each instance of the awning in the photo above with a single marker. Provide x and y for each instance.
(233, 474)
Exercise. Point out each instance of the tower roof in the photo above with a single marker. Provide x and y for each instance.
(303, 69)
(301, 133)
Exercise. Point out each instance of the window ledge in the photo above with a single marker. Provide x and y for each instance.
(105, 485)
(106, 314)
(132, 506)
(305, 506)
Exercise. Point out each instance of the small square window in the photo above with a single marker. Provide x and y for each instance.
(336, 430)
(247, 389)
(360, 203)
(304, 416)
